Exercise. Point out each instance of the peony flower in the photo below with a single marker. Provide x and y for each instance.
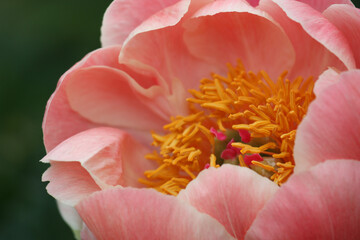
(202, 119)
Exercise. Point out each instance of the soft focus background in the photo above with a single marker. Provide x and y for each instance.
(40, 40)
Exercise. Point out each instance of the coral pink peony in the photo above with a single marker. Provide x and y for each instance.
(267, 148)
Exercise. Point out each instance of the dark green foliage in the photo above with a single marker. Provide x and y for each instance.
(39, 41)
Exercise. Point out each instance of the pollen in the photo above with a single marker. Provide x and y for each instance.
(246, 119)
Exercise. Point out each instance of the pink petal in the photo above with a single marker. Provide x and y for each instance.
(125, 19)
(167, 16)
(69, 182)
(320, 29)
(317, 42)
(183, 51)
(326, 79)
(86, 234)
(123, 16)
(225, 31)
(142, 214)
(70, 216)
(61, 121)
(321, 5)
(92, 160)
(233, 195)
(347, 19)
(322, 203)
(331, 127)
(166, 51)
(110, 97)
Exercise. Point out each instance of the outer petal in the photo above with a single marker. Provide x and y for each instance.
(159, 43)
(123, 16)
(225, 31)
(169, 16)
(174, 50)
(331, 127)
(142, 214)
(317, 42)
(319, 28)
(322, 203)
(111, 97)
(92, 160)
(61, 121)
(86, 234)
(347, 19)
(233, 195)
(62, 185)
(71, 217)
(326, 79)
(166, 52)
(321, 5)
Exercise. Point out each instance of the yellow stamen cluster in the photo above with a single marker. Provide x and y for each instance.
(183, 153)
(270, 111)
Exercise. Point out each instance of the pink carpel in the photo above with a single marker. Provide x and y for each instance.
(230, 152)
(229, 146)
(219, 135)
(252, 157)
(245, 135)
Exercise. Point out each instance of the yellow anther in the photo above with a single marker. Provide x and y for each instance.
(187, 150)
(219, 105)
(153, 173)
(220, 90)
(236, 115)
(231, 93)
(282, 155)
(283, 176)
(269, 145)
(220, 125)
(158, 138)
(206, 132)
(266, 167)
(189, 129)
(213, 161)
(244, 99)
(285, 165)
(241, 126)
(191, 134)
(194, 154)
(179, 158)
(195, 100)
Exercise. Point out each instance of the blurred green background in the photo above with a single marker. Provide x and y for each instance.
(40, 40)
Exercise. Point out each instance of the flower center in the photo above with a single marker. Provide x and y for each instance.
(245, 119)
